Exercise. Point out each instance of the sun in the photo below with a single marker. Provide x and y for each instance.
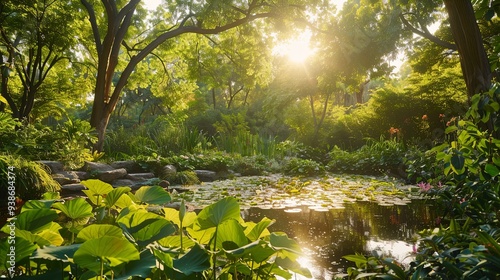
(297, 49)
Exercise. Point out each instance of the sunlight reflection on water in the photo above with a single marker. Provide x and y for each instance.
(326, 235)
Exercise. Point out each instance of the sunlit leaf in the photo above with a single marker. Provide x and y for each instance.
(111, 250)
(35, 220)
(153, 195)
(96, 231)
(113, 196)
(255, 231)
(76, 208)
(231, 231)
(215, 214)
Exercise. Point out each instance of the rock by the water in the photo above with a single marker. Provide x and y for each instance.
(66, 177)
(140, 176)
(71, 188)
(111, 175)
(96, 167)
(129, 165)
(168, 170)
(206, 175)
(52, 166)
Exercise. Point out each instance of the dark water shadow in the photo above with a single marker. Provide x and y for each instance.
(327, 235)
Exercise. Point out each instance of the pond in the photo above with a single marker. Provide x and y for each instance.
(330, 217)
(359, 227)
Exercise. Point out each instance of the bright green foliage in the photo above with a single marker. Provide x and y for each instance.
(374, 158)
(466, 243)
(125, 239)
(31, 178)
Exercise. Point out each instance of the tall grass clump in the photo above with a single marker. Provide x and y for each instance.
(246, 144)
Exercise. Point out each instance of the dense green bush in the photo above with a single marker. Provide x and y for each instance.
(184, 177)
(254, 165)
(68, 142)
(302, 167)
(374, 158)
(29, 178)
(465, 244)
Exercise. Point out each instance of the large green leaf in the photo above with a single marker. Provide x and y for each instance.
(22, 249)
(111, 250)
(37, 204)
(294, 266)
(458, 164)
(139, 268)
(201, 236)
(152, 195)
(97, 186)
(289, 247)
(96, 231)
(255, 231)
(174, 215)
(97, 189)
(231, 231)
(174, 241)
(75, 209)
(113, 196)
(58, 253)
(146, 227)
(215, 214)
(196, 260)
(35, 220)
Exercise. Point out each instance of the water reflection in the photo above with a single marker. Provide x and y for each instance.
(328, 234)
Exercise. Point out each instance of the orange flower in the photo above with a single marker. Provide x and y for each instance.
(393, 130)
(424, 117)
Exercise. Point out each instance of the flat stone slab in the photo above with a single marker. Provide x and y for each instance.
(206, 175)
(112, 175)
(129, 165)
(53, 166)
(96, 166)
(71, 188)
(66, 177)
(140, 176)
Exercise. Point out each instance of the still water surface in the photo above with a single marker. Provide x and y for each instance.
(327, 235)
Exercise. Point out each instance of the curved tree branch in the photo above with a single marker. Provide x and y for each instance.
(426, 34)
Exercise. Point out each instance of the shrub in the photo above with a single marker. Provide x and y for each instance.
(374, 158)
(185, 177)
(68, 142)
(251, 166)
(303, 167)
(31, 178)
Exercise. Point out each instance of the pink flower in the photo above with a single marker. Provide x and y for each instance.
(424, 117)
(424, 187)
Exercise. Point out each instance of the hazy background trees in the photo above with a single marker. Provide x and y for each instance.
(221, 68)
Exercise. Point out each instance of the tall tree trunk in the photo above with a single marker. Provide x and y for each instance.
(473, 58)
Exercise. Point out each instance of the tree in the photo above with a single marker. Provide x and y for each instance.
(466, 35)
(473, 58)
(35, 36)
(112, 28)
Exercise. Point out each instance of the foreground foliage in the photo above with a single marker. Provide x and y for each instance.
(465, 243)
(116, 234)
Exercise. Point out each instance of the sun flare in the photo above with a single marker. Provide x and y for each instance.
(297, 49)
